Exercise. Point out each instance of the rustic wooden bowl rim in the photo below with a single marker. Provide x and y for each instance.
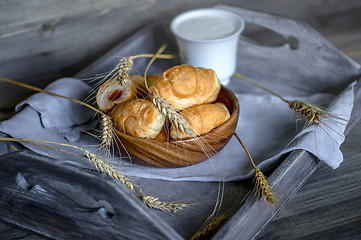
(233, 113)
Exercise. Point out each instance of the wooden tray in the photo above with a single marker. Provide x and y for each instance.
(62, 202)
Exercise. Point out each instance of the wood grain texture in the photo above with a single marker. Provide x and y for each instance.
(65, 209)
(71, 203)
(10, 232)
(325, 208)
(41, 41)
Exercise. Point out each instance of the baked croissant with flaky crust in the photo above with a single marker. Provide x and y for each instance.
(138, 80)
(113, 92)
(138, 118)
(184, 86)
(201, 119)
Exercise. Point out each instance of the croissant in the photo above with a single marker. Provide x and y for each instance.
(138, 118)
(113, 92)
(201, 119)
(185, 86)
(138, 80)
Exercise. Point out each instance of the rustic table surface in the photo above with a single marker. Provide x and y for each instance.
(43, 40)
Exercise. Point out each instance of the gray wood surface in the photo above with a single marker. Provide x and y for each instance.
(328, 205)
(44, 40)
(39, 44)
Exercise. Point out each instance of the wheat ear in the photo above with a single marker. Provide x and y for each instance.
(107, 134)
(262, 186)
(119, 73)
(154, 202)
(169, 112)
(164, 107)
(98, 162)
(313, 113)
(125, 65)
(105, 168)
(209, 228)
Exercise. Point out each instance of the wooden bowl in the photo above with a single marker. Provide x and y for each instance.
(181, 153)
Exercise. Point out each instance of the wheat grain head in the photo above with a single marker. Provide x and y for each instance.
(169, 112)
(209, 228)
(154, 202)
(262, 186)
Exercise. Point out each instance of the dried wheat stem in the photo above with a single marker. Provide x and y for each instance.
(99, 163)
(154, 202)
(160, 56)
(262, 186)
(313, 113)
(121, 71)
(103, 167)
(55, 149)
(14, 148)
(107, 133)
(260, 86)
(214, 224)
(165, 108)
(156, 55)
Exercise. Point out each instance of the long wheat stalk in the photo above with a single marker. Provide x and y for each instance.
(24, 85)
(164, 107)
(98, 162)
(107, 133)
(313, 113)
(102, 166)
(120, 74)
(121, 71)
(262, 187)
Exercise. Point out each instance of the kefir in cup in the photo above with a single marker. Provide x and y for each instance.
(208, 38)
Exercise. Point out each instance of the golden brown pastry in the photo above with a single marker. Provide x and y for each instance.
(113, 92)
(202, 119)
(184, 86)
(163, 135)
(138, 118)
(138, 80)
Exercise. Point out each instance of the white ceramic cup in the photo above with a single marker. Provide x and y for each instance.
(208, 38)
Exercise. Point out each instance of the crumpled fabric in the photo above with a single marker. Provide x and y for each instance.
(266, 125)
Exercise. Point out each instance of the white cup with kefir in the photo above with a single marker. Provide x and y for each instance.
(208, 38)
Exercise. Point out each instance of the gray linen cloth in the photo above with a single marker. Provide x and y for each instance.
(267, 126)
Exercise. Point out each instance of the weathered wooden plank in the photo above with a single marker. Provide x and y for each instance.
(58, 208)
(43, 40)
(15, 13)
(327, 206)
(60, 54)
(253, 215)
(10, 232)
